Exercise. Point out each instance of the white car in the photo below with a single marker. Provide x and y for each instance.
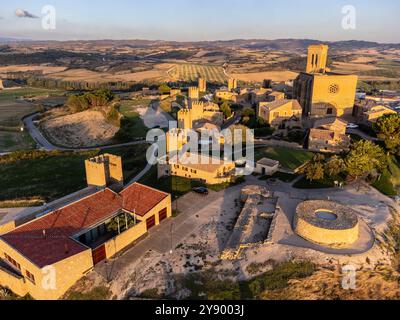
(352, 126)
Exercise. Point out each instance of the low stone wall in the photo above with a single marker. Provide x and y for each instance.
(340, 231)
(126, 238)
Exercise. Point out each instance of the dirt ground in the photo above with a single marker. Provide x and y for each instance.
(83, 129)
(260, 76)
(200, 232)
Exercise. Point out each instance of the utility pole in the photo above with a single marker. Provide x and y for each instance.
(172, 226)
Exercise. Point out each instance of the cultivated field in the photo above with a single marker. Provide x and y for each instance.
(14, 141)
(11, 112)
(191, 72)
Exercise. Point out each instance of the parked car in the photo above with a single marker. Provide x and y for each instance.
(352, 126)
(201, 190)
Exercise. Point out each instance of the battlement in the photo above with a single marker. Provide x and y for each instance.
(104, 170)
(202, 84)
(193, 93)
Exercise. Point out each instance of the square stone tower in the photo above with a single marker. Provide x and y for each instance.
(193, 93)
(232, 84)
(317, 58)
(202, 85)
(104, 170)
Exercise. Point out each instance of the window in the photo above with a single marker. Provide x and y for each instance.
(30, 277)
(329, 111)
(12, 261)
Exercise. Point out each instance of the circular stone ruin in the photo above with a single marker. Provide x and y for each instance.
(326, 223)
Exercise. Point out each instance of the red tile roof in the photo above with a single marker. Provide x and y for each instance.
(47, 240)
(141, 199)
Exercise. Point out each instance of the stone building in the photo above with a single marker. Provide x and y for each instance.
(370, 112)
(232, 84)
(104, 170)
(193, 93)
(198, 111)
(202, 85)
(49, 253)
(329, 135)
(322, 93)
(197, 167)
(276, 112)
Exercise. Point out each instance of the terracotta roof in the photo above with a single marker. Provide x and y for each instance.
(331, 123)
(141, 199)
(279, 103)
(321, 134)
(47, 240)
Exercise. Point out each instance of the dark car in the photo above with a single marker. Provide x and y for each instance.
(201, 190)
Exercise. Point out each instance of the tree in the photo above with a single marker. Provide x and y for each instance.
(164, 89)
(365, 157)
(314, 169)
(388, 130)
(335, 166)
(226, 109)
(249, 112)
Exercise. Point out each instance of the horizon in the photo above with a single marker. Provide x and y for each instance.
(205, 20)
(2, 38)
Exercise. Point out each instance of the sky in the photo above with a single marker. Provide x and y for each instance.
(197, 20)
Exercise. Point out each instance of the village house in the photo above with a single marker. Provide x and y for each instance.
(329, 135)
(370, 112)
(277, 112)
(206, 169)
(266, 166)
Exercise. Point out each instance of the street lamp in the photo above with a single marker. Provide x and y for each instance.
(171, 230)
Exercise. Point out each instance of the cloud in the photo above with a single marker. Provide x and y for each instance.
(24, 14)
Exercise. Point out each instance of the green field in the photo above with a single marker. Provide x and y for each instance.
(51, 175)
(15, 140)
(288, 158)
(132, 126)
(12, 94)
(191, 72)
(389, 182)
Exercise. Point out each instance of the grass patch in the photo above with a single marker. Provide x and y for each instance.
(276, 279)
(208, 285)
(51, 175)
(288, 158)
(385, 185)
(28, 92)
(97, 293)
(178, 186)
(284, 177)
(389, 182)
(132, 126)
(319, 184)
(14, 141)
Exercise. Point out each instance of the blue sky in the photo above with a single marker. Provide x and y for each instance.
(186, 20)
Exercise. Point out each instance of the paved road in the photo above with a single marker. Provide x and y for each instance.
(160, 238)
(232, 121)
(46, 145)
(361, 134)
